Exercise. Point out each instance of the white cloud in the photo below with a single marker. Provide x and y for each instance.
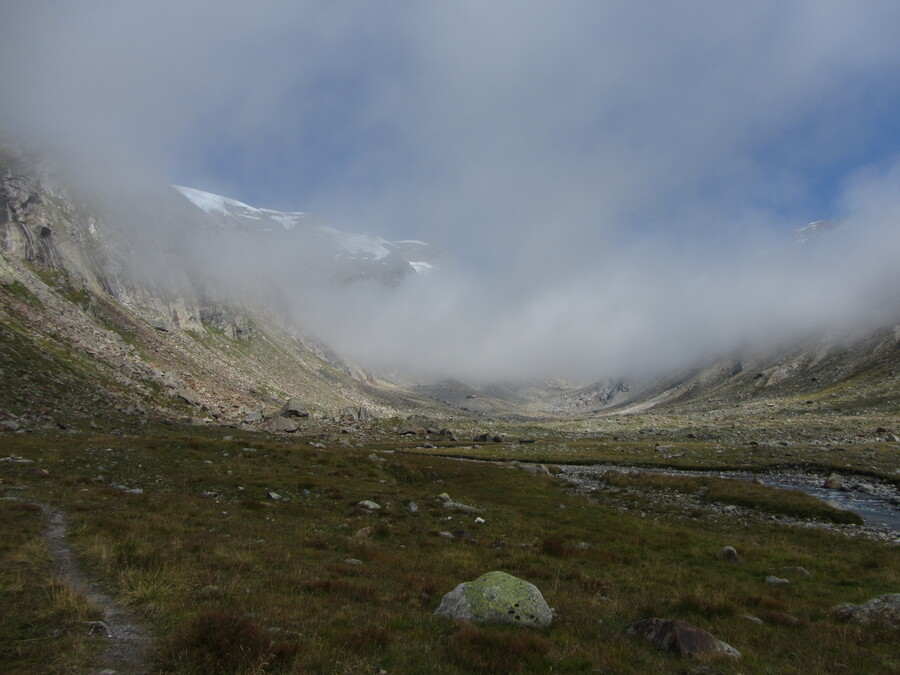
(583, 161)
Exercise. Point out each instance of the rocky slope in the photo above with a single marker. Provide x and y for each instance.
(93, 334)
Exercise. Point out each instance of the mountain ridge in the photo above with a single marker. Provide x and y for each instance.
(90, 289)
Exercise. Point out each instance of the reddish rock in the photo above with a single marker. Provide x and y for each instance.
(683, 638)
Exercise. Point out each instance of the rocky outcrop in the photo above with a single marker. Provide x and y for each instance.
(294, 408)
(883, 610)
(497, 598)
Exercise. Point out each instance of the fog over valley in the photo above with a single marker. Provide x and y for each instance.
(608, 191)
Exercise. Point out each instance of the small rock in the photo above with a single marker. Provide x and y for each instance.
(99, 627)
(451, 505)
(353, 561)
(834, 482)
(528, 467)
(730, 554)
(796, 569)
(9, 425)
(186, 395)
(479, 520)
(783, 619)
(369, 505)
(274, 495)
(209, 591)
(752, 619)
(772, 579)
(363, 533)
(412, 507)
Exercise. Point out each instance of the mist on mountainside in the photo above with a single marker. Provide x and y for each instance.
(639, 310)
(614, 188)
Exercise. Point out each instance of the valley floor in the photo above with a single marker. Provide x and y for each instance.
(250, 552)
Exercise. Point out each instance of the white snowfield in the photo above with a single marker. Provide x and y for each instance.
(213, 203)
(353, 246)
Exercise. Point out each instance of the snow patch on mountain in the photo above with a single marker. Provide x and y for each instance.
(360, 244)
(212, 203)
(230, 214)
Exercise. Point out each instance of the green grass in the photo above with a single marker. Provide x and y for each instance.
(205, 551)
(876, 459)
(20, 291)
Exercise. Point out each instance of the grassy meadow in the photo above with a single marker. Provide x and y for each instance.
(249, 553)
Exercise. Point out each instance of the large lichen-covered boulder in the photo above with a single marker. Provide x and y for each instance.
(497, 598)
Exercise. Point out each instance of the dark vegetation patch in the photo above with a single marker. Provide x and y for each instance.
(224, 641)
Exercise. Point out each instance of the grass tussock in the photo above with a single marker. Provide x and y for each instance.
(220, 641)
(496, 650)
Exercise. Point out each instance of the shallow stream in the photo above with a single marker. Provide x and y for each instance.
(876, 502)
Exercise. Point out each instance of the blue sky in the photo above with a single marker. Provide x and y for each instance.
(533, 140)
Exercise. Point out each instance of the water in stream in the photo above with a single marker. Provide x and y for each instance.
(877, 502)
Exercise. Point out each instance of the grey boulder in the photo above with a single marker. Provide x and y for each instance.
(294, 408)
(497, 598)
(885, 609)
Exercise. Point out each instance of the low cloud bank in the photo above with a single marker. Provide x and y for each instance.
(642, 308)
(614, 183)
